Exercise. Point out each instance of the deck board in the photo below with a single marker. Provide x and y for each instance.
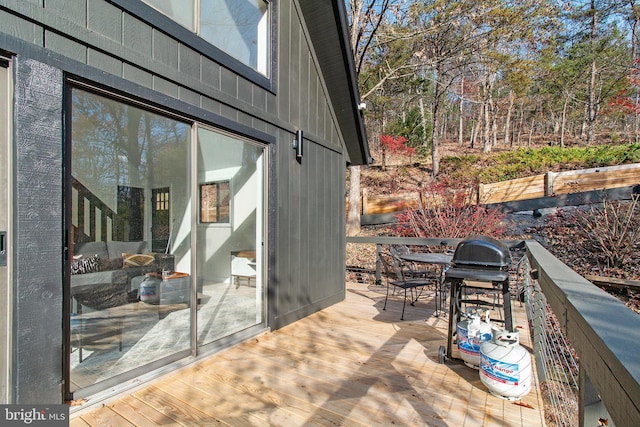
(352, 364)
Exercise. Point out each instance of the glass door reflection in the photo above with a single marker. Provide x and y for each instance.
(129, 219)
(229, 239)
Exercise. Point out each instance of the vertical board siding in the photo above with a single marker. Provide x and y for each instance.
(104, 62)
(106, 36)
(284, 57)
(306, 210)
(22, 28)
(74, 10)
(310, 240)
(294, 77)
(136, 35)
(137, 75)
(105, 19)
(229, 82)
(38, 232)
(165, 49)
(189, 62)
(313, 99)
(66, 47)
(211, 73)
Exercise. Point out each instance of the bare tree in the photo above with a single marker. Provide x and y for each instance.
(366, 17)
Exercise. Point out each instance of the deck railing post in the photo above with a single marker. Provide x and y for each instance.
(592, 410)
(539, 328)
(378, 266)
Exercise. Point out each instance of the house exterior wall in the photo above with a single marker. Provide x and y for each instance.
(117, 45)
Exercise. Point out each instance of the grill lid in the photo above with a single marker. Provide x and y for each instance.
(481, 251)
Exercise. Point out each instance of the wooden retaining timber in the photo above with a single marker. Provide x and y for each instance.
(549, 186)
(593, 179)
(530, 187)
(614, 282)
(382, 204)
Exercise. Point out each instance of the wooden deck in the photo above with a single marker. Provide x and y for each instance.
(349, 365)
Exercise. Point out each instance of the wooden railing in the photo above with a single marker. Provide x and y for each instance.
(95, 218)
(604, 333)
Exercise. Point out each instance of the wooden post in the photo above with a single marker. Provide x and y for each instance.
(378, 266)
(548, 184)
(592, 410)
(365, 201)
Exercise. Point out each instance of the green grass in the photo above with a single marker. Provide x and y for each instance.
(526, 162)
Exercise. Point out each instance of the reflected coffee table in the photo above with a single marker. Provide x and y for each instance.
(174, 289)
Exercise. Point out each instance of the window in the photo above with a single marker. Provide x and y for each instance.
(214, 202)
(162, 200)
(237, 27)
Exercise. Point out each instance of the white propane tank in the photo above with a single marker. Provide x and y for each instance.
(505, 366)
(471, 334)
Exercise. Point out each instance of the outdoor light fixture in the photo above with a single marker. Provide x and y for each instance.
(297, 144)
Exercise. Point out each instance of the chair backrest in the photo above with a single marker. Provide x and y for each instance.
(399, 250)
(391, 266)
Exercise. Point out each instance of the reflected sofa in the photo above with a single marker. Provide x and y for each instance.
(101, 272)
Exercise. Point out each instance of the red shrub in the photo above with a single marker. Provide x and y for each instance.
(449, 213)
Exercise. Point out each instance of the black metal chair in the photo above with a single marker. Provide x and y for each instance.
(412, 271)
(394, 273)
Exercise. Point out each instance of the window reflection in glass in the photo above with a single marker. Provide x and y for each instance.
(130, 202)
(181, 11)
(238, 27)
(229, 259)
(214, 202)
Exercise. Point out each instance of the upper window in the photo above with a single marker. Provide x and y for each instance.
(214, 202)
(237, 27)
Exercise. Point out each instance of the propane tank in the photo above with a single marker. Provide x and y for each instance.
(505, 366)
(471, 334)
(149, 290)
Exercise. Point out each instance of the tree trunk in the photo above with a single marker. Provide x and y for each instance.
(494, 122)
(521, 123)
(423, 121)
(476, 127)
(487, 127)
(634, 57)
(592, 106)
(507, 122)
(460, 113)
(564, 120)
(435, 110)
(353, 216)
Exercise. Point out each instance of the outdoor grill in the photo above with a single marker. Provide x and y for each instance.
(479, 263)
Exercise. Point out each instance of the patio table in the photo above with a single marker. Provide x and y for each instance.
(441, 261)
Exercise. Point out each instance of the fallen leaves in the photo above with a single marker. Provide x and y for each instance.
(524, 405)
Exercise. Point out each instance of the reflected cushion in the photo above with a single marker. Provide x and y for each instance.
(84, 265)
(137, 260)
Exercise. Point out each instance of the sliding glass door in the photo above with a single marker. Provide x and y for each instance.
(129, 188)
(143, 289)
(229, 239)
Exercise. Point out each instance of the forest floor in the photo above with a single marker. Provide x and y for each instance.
(545, 228)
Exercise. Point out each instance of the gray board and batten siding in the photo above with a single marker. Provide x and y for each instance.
(116, 46)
